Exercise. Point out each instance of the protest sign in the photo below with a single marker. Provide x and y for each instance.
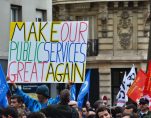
(47, 52)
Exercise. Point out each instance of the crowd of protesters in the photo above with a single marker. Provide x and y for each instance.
(21, 105)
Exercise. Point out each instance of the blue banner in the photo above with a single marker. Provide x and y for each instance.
(3, 89)
(84, 89)
(4, 102)
(73, 92)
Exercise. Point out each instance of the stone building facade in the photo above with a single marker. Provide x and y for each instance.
(20, 10)
(118, 37)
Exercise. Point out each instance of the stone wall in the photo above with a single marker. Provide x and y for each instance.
(122, 35)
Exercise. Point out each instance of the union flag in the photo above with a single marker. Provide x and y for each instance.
(135, 91)
(147, 89)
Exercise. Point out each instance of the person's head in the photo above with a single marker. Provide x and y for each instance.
(36, 115)
(103, 112)
(10, 112)
(131, 108)
(42, 93)
(118, 111)
(91, 113)
(73, 104)
(97, 104)
(143, 104)
(84, 112)
(105, 100)
(91, 116)
(16, 101)
(125, 115)
(65, 96)
(88, 104)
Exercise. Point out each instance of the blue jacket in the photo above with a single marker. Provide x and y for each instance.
(34, 105)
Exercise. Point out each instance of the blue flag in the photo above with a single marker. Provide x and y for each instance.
(73, 92)
(84, 89)
(4, 102)
(3, 89)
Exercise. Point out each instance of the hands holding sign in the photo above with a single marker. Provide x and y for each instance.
(13, 84)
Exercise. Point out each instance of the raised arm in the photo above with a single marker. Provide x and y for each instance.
(32, 104)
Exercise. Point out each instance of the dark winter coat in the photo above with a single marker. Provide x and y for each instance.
(60, 111)
(148, 115)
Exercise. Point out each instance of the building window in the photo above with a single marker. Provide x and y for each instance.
(92, 25)
(92, 47)
(41, 15)
(16, 13)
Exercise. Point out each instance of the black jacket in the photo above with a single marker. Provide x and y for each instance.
(60, 111)
(148, 115)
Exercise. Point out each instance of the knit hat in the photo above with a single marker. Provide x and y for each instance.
(43, 90)
(143, 101)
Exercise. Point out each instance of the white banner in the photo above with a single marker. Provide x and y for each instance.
(122, 97)
(47, 52)
(130, 78)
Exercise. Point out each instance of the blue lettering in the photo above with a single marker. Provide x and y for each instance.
(81, 48)
(52, 51)
(59, 45)
(47, 51)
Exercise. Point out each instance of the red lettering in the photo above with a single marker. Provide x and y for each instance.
(72, 33)
(25, 71)
(9, 75)
(19, 69)
(64, 31)
(34, 71)
(81, 30)
(43, 63)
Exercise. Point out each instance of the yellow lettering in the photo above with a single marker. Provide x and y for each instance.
(32, 31)
(41, 28)
(66, 72)
(54, 31)
(20, 26)
(50, 72)
(57, 74)
(77, 70)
